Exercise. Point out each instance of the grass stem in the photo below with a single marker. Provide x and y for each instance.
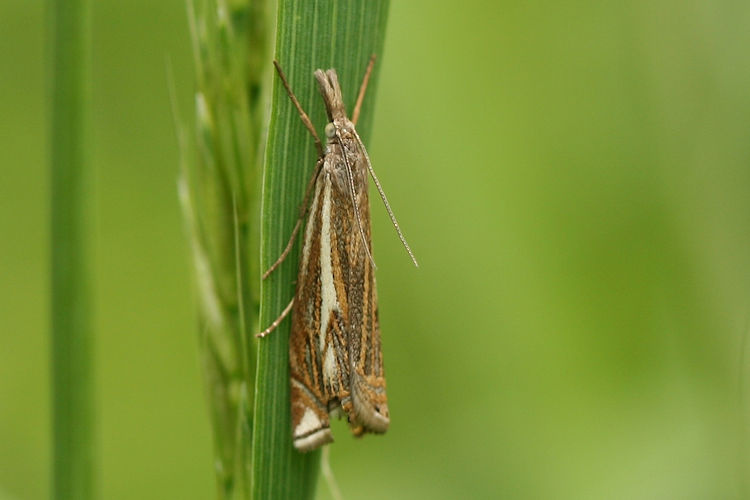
(72, 380)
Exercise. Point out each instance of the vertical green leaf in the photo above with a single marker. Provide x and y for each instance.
(340, 34)
(72, 381)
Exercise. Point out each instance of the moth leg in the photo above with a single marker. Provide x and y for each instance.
(362, 89)
(305, 119)
(325, 466)
(286, 250)
(303, 211)
(277, 321)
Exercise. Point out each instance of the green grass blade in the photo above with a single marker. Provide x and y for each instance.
(72, 381)
(339, 34)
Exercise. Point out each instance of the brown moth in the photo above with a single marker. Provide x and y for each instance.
(335, 354)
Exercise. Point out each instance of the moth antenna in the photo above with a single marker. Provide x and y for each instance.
(362, 89)
(383, 197)
(350, 177)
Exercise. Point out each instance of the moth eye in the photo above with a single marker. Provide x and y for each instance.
(330, 130)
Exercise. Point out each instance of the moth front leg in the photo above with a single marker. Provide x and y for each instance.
(303, 212)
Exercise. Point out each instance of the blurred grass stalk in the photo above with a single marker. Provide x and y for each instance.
(219, 191)
(218, 188)
(72, 381)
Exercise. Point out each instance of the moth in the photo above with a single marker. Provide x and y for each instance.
(335, 357)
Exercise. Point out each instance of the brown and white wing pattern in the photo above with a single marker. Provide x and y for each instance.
(368, 407)
(335, 353)
(317, 347)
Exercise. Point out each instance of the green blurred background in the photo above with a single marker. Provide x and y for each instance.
(574, 178)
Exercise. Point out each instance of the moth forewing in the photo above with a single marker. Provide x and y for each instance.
(336, 361)
(308, 396)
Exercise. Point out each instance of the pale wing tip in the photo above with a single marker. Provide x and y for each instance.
(314, 440)
(370, 414)
(376, 422)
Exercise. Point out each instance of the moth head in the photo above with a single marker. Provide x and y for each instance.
(340, 127)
